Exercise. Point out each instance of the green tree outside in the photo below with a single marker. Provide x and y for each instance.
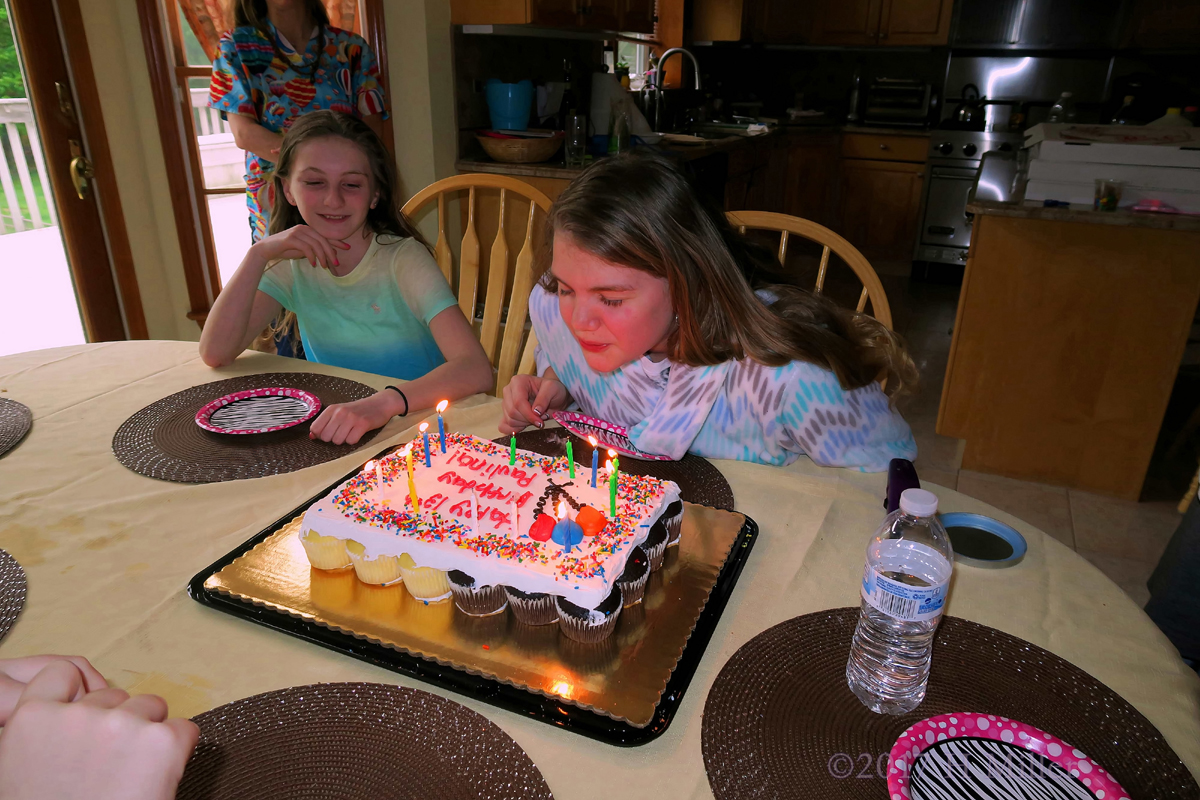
(11, 82)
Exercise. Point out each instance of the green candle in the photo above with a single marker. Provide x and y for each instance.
(570, 460)
(512, 450)
(612, 490)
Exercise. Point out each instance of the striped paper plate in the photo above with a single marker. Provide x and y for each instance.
(258, 410)
(976, 756)
(608, 434)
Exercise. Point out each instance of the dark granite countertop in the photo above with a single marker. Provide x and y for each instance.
(1033, 209)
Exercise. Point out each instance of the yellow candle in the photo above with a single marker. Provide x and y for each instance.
(412, 486)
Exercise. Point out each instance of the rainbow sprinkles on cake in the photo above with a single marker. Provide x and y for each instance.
(499, 516)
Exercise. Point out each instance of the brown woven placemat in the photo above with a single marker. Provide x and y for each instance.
(15, 421)
(699, 481)
(781, 722)
(12, 591)
(163, 440)
(355, 740)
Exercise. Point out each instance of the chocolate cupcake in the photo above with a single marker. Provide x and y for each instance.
(656, 545)
(672, 519)
(536, 608)
(589, 625)
(475, 600)
(633, 579)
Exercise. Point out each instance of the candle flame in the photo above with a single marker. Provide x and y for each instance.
(442, 406)
(612, 453)
(562, 509)
(592, 441)
(407, 449)
(423, 426)
(608, 465)
(370, 465)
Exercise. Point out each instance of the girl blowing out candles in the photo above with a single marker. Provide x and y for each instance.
(359, 278)
(654, 314)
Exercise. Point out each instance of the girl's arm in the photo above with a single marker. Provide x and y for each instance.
(529, 399)
(241, 311)
(467, 371)
(248, 134)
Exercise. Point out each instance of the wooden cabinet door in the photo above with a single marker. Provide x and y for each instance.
(811, 180)
(555, 13)
(638, 16)
(783, 22)
(1163, 23)
(603, 15)
(923, 22)
(879, 206)
(490, 12)
(850, 22)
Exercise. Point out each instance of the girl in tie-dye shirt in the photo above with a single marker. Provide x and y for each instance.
(654, 314)
(262, 83)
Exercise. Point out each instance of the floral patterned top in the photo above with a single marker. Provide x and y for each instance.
(249, 78)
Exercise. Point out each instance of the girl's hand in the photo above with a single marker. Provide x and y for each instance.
(15, 673)
(528, 400)
(345, 423)
(301, 242)
(106, 745)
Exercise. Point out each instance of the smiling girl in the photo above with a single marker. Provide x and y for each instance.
(654, 314)
(365, 290)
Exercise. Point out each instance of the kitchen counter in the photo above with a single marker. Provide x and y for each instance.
(1033, 209)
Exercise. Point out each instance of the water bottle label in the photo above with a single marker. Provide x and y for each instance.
(901, 601)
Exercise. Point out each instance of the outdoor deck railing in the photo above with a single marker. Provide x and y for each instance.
(32, 207)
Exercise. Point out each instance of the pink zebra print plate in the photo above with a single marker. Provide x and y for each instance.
(258, 410)
(974, 756)
(606, 433)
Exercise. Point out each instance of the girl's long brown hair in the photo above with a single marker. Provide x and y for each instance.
(385, 219)
(254, 13)
(641, 210)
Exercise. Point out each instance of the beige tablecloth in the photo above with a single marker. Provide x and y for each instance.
(109, 552)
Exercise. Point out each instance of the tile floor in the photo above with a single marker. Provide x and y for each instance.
(1122, 538)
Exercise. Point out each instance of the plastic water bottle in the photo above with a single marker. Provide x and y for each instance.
(904, 586)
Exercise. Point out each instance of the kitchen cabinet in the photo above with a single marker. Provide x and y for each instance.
(600, 15)
(811, 176)
(756, 178)
(883, 22)
(1163, 23)
(770, 21)
(880, 203)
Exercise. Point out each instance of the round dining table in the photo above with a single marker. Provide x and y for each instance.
(108, 554)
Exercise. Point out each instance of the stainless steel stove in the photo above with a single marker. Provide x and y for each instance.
(953, 163)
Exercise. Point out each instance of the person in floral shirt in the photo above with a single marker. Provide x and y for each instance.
(261, 83)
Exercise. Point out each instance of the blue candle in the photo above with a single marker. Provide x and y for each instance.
(595, 459)
(442, 424)
(425, 434)
(568, 533)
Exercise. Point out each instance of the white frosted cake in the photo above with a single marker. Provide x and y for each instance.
(526, 553)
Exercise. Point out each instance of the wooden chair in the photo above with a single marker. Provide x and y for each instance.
(505, 358)
(831, 242)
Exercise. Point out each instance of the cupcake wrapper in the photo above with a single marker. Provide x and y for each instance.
(482, 601)
(583, 630)
(533, 610)
(327, 552)
(655, 554)
(596, 658)
(426, 583)
(674, 528)
(632, 592)
(382, 571)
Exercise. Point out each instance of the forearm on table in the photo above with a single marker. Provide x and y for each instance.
(249, 134)
(451, 381)
(227, 330)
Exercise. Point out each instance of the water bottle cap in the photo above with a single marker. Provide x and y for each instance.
(918, 502)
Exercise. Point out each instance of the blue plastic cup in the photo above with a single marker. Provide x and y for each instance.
(509, 104)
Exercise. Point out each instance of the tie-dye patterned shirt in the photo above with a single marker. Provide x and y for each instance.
(739, 410)
(248, 78)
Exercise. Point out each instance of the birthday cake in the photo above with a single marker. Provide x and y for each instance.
(492, 516)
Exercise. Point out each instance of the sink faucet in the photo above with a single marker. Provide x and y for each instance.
(658, 79)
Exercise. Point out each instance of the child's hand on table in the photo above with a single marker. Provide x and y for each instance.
(15, 673)
(345, 423)
(528, 400)
(63, 741)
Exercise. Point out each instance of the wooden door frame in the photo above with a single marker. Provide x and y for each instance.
(177, 136)
(110, 300)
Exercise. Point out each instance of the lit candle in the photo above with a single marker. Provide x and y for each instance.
(412, 485)
(614, 467)
(595, 458)
(474, 512)
(567, 532)
(442, 423)
(570, 460)
(512, 451)
(424, 429)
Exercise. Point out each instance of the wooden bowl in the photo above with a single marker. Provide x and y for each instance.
(521, 151)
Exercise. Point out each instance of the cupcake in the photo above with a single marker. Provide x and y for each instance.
(656, 545)
(633, 579)
(424, 583)
(381, 571)
(589, 625)
(672, 518)
(532, 608)
(475, 600)
(325, 552)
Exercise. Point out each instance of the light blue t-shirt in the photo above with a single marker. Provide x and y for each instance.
(376, 319)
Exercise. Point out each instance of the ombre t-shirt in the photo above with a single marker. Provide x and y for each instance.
(376, 319)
